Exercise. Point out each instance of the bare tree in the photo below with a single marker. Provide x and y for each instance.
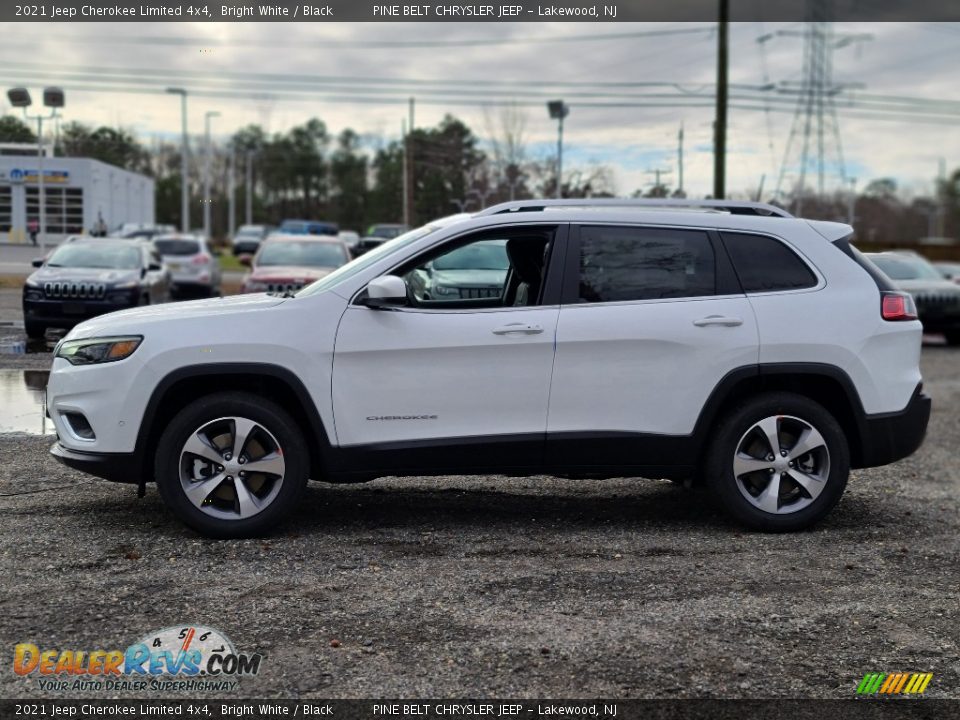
(508, 146)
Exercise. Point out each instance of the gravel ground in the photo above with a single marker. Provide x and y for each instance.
(491, 586)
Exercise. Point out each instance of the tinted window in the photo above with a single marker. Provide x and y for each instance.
(305, 254)
(177, 247)
(764, 264)
(619, 263)
(905, 268)
(96, 255)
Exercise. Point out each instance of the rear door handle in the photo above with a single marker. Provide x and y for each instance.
(718, 320)
(518, 328)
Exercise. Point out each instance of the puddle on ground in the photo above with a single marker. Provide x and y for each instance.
(22, 402)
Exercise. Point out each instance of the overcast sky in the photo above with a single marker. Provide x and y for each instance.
(916, 60)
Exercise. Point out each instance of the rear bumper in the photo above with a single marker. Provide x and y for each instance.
(115, 467)
(890, 437)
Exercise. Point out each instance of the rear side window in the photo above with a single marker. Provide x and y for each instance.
(766, 265)
(627, 263)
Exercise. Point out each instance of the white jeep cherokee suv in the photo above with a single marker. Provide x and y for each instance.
(726, 343)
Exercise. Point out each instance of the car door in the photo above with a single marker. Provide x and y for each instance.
(652, 319)
(460, 378)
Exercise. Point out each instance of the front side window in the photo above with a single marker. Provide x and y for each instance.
(503, 269)
(627, 263)
(766, 265)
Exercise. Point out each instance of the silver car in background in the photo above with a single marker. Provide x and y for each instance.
(194, 268)
(248, 238)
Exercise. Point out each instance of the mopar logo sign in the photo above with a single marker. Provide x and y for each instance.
(20, 175)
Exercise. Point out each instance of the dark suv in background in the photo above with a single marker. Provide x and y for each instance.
(91, 277)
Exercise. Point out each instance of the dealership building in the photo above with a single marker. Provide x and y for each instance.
(77, 192)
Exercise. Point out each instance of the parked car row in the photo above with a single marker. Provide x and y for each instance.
(248, 238)
(937, 298)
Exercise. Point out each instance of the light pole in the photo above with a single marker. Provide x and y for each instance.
(184, 190)
(53, 98)
(558, 111)
(206, 170)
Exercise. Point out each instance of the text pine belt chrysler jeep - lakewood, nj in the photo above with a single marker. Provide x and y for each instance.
(725, 343)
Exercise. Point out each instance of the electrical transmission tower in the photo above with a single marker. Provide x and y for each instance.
(814, 142)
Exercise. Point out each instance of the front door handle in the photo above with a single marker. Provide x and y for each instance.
(518, 328)
(718, 320)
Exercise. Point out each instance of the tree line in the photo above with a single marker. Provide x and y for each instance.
(308, 172)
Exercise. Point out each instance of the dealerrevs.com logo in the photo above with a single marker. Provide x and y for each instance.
(186, 658)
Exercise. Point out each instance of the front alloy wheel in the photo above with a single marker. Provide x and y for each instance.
(231, 468)
(232, 464)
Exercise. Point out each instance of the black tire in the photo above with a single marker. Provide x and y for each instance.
(719, 471)
(953, 337)
(34, 331)
(269, 416)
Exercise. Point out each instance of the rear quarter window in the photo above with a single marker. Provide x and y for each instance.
(765, 264)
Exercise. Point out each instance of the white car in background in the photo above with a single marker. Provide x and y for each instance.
(194, 268)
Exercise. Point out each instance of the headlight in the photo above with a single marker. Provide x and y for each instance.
(256, 287)
(129, 285)
(448, 291)
(92, 351)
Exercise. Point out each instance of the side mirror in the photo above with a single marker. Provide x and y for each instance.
(386, 291)
(245, 260)
(37, 262)
(154, 267)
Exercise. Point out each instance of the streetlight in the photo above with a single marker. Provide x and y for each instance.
(54, 99)
(558, 110)
(206, 170)
(184, 190)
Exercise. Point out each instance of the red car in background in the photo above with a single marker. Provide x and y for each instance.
(286, 263)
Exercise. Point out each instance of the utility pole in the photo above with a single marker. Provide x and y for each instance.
(657, 172)
(408, 171)
(231, 193)
(207, 152)
(852, 202)
(184, 170)
(720, 122)
(248, 185)
(680, 191)
(405, 174)
(941, 198)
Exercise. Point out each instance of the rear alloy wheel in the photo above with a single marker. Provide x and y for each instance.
(231, 465)
(780, 462)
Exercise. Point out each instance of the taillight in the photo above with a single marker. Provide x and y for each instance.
(200, 259)
(898, 306)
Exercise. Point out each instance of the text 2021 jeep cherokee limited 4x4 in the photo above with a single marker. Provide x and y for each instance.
(728, 343)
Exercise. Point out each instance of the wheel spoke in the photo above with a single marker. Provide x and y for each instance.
(768, 500)
(271, 464)
(812, 484)
(199, 491)
(744, 464)
(810, 439)
(241, 431)
(770, 427)
(198, 445)
(247, 504)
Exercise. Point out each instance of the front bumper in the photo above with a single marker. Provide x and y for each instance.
(67, 313)
(115, 467)
(889, 437)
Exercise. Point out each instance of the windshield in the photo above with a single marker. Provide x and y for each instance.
(386, 231)
(105, 257)
(366, 260)
(905, 268)
(304, 254)
(490, 255)
(177, 247)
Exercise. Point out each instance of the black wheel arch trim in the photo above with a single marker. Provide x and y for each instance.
(318, 432)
